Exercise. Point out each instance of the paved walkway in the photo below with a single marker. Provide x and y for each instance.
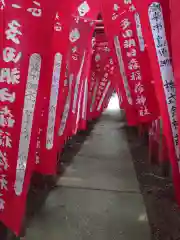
(98, 197)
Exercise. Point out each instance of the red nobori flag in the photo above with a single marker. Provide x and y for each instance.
(104, 70)
(152, 18)
(114, 42)
(175, 32)
(88, 9)
(125, 36)
(23, 50)
(84, 12)
(48, 140)
(78, 111)
(84, 108)
(83, 95)
(80, 37)
(92, 80)
(77, 90)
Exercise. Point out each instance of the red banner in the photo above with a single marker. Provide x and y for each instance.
(113, 39)
(105, 71)
(126, 43)
(80, 37)
(25, 59)
(152, 17)
(83, 96)
(48, 141)
(84, 110)
(93, 86)
(88, 9)
(175, 32)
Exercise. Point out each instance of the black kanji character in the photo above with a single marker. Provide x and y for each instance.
(166, 62)
(172, 98)
(156, 16)
(163, 52)
(169, 85)
(173, 111)
(158, 26)
(176, 139)
(175, 124)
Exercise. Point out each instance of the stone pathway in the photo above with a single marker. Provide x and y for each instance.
(98, 196)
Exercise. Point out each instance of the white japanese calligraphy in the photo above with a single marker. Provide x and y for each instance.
(10, 55)
(53, 100)
(127, 1)
(3, 161)
(125, 23)
(74, 35)
(16, 6)
(128, 33)
(76, 90)
(133, 64)
(66, 107)
(139, 32)
(10, 76)
(132, 53)
(85, 99)
(6, 96)
(103, 96)
(136, 75)
(139, 88)
(122, 69)
(2, 4)
(132, 8)
(6, 118)
(57, 26)
(5, 139)
(36, 11)
(13, 32)
(97, 57)
(83, 9)
(159, 35)
(2, 203)
(27, 120)
(129, 43)
(116, 7)
(3, 182)
(144, 111)
(141, 100)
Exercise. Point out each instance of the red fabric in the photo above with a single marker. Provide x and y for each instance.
(140, 87)
(83, 13)
(175, 32)
(162, 71)
(76, 63)
(84, 104)
(82, 118)
(24, 31)
(104, 71)
(112, 29)
(154, 140)
(48, 141)
(79, 105)
(84, 74)
(93, 85)
(88, 9)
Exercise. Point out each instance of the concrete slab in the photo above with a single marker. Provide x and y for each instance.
(74, 214)
(108, 139)
(98, 196)
(105, 174)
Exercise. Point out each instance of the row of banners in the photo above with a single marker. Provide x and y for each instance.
(55, 76)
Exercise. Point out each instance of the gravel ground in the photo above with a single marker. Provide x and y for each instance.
(158, 193)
